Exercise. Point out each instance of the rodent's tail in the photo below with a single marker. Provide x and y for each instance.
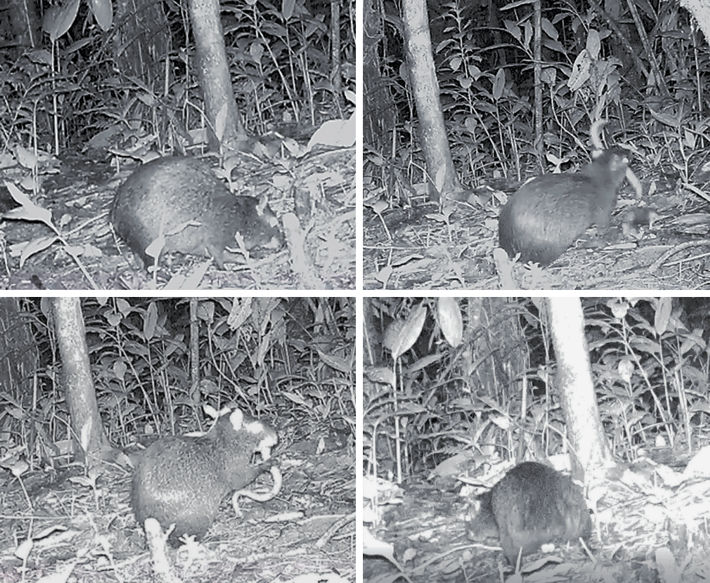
(259, 497)
(263, 496)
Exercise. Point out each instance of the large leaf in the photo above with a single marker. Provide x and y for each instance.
(103, 13)
(58, 19)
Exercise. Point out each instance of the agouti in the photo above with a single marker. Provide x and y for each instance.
(531, 505)
(181, 199)
(547, 214)
(182, 480)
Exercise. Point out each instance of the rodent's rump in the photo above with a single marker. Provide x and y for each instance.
(180, 199)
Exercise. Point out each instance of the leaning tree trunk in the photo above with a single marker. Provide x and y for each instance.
(225, 126)
(442, 178)
(574, 378)
(86, 423)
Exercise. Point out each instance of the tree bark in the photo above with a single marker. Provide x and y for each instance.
(442, 179)
(379, 115)
(142, 41)
(225, 126)
(590, 452)
(86, 424)
(335, 48)
(537, 75)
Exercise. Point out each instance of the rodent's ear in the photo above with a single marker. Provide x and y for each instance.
(237, 419)
(211, 412)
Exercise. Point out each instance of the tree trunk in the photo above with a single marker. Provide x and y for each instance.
(590, 452)
(335, 48)
(86, 423)
(442, 178)
(194, 346)
(225, 125)
(379, 115)
(537, 75)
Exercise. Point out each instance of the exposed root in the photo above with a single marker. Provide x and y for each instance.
(156, 539)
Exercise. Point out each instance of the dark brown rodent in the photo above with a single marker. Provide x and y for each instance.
(546, 215)
(531, 505)
(181, 480)
(183, 199)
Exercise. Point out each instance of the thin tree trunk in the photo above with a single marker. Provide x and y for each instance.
(590, 452)
(225, 126)
(335, 48)
(537, 75)
(86, 424)
(442, 179)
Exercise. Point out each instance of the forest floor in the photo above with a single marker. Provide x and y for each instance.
(635, 539)
(76, 196)
(90, 534)
(424, 248)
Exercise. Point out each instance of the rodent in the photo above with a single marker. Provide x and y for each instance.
(182, 480)
(634, 220)
(531, 505)
(640, 217)
(546, 215)
(183, 199)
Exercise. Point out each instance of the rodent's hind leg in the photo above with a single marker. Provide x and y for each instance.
(217, 255)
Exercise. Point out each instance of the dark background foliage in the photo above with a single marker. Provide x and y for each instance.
(645, 66)
(495, 395)
(137, 81)
(289, 360)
